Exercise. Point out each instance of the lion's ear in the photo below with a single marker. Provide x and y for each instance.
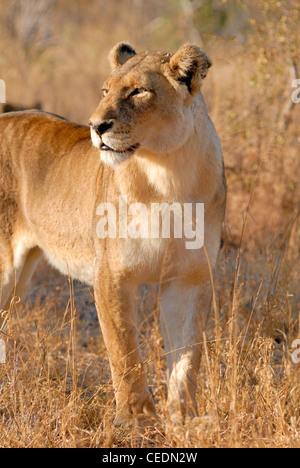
(120, 54)
(189, 65)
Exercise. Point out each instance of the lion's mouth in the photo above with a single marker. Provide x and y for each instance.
(131, 149)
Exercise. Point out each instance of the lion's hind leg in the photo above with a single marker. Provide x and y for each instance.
(7, 280)
(26, 272)
(16, 273)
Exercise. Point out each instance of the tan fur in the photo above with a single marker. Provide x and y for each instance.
(52, 181)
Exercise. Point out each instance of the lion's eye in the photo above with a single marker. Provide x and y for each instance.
(138, 91)
(104, 92)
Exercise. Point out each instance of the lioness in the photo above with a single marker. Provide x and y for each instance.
(153, 142)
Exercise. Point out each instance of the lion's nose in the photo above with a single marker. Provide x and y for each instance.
(103, 127)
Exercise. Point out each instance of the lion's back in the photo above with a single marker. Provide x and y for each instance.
(32, 139)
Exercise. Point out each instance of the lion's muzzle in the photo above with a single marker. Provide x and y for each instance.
(101, 128)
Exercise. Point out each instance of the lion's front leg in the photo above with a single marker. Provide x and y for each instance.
(184, 311)
(116, 306)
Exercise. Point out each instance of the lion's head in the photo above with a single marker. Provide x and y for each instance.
(147, 101)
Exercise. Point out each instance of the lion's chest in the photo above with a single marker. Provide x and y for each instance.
(143, 256)
(147, 260)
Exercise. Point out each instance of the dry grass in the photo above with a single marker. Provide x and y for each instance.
(55, 389)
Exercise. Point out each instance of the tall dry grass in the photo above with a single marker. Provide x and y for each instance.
(55, 388)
